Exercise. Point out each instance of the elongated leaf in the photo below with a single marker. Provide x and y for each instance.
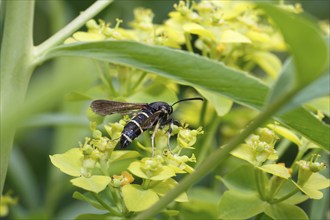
(237, 205)
(222, 105)
(181, 67)
(307, 45)
(177, 65)
(87, 197)
(318, 88)
(285, 211)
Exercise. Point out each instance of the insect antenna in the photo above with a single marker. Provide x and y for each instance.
(188, 99)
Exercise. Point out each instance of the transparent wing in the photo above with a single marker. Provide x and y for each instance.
(108, 107)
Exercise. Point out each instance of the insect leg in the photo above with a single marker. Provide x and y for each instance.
(170, 122)
(153, 138)
(169, 131)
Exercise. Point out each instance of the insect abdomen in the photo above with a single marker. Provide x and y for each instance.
(134, 128)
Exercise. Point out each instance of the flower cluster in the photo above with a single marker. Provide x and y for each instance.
(259, 150)
(234, 32)
(258, 147)
(94, 167)
(307, 168)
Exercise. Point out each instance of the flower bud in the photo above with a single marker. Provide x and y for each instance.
(97, 134)
(115, 129)
(267, 135)
(92, 25)
(186, 137)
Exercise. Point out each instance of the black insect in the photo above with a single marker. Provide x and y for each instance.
(152, 115)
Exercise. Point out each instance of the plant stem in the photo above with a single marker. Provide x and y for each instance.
(207, 144)
(74, 25)
(188, 42)
(259, 178)
(285, 197)
(216, 158)
(16, 70)
(106, 206)
(19, 59)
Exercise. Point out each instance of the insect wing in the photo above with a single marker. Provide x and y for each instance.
(151, 121)
(107, 107)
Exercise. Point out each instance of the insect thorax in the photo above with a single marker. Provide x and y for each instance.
(157, 106)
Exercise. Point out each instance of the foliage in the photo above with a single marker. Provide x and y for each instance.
(229, 52)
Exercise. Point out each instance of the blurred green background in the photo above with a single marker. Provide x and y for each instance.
(42, 190)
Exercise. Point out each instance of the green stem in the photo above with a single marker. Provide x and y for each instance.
(290, 194)
(260, 183)
(106, 78)
(215, 158)
(207, 144)
(16, 69)
(74, 25)
(188, 42)
(202, 115)
(276, 185)
(301, 151)
(106, 206)
(138, 83)
(282, 147)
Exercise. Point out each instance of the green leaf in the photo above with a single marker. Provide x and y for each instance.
(296, 199)
(302, 118)
(164, 61)
(318, 88)
(241, 179)
(203, 204)
(238, 205)
(210, 75)
(285, 82)
(163, 187)
(276, 169)
(87, 197)
(321, 104)
(285, 211)
(138, 199)
(70, 162)
(155, 92)
(314, 184)
(221, 104)
(310, 58)
(94, 183)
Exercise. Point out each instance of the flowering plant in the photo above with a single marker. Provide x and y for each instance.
(249, 61)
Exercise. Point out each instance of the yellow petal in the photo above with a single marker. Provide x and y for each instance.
(84, 36)
(230, 36)
(286, 133)
(194, 28)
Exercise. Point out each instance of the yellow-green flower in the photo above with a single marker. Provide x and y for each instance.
(187, 138)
